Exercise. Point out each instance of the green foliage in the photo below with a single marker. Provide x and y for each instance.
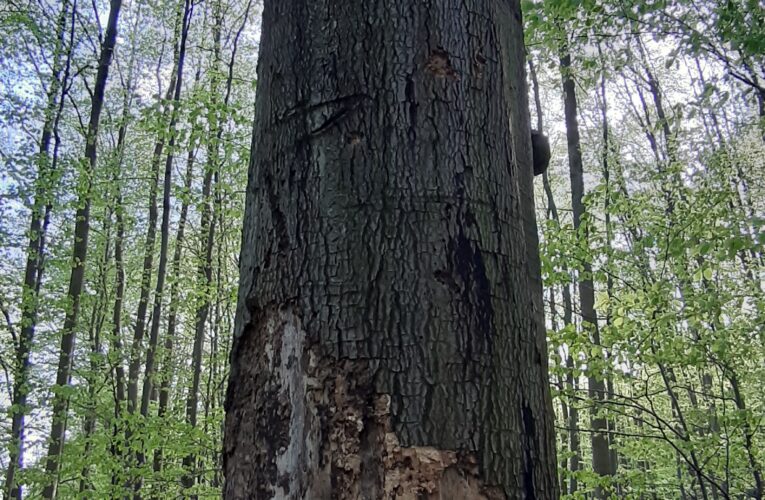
(673, 239)
(674, 235)
(104, 440)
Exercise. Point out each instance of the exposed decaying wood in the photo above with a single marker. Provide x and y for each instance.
(389, 340)
(331, 433)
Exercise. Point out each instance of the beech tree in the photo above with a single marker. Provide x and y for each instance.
(79, 256)
(33, 270)
(387, 340)
(393, 338)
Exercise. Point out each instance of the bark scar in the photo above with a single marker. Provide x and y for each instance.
(440, 65)
(307, 425)
(323, 115)
(330, 122)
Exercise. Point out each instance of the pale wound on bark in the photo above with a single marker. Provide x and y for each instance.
(332, 432)
(426, 472)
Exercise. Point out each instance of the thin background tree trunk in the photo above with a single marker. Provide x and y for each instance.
(601, 455)
(148, 378)
(175, 270)
(79, 256)
(134, 366)
(96, 372)
(210, 193)
(571, 414)
(116, 351)
(38, 228)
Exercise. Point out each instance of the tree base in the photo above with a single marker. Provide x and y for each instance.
(329, 431)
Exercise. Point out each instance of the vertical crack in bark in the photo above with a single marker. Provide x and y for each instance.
(528, 445)
(280, 222)
(469, 265)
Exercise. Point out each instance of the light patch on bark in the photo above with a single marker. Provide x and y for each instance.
(340, 440)
(293, 462)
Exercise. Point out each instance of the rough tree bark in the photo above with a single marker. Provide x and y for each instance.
(79, 256)
(388, 341)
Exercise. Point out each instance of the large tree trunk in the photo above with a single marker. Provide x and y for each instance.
(79, 256)
(387, 339)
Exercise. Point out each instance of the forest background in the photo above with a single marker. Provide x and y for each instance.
(651, 227)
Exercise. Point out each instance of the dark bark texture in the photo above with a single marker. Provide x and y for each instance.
(389, 341)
